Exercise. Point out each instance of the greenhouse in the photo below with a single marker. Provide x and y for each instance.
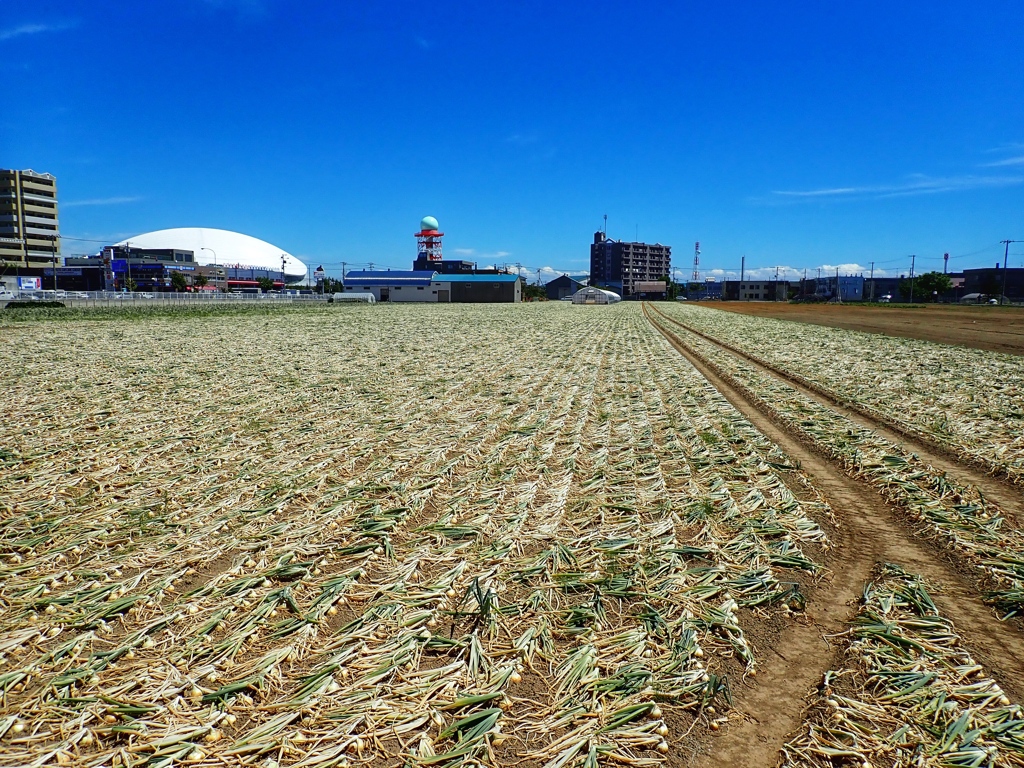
(595, 296)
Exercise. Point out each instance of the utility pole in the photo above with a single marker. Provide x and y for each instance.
(1006, 255)
(743, 268)
(912, 258)
(775, 296)
(872, 294)
(606, 225)
(945, 263)
(839, 292)
(283, 257)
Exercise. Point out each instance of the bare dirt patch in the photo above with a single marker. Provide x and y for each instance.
(998, 329)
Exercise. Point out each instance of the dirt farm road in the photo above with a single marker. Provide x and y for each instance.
(998, 329)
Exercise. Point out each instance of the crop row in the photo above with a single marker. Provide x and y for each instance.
(957, 515)
(905, 382)
(907, 692)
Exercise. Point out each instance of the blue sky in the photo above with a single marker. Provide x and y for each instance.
(803, 134)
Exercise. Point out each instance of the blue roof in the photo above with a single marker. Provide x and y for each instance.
(457, 278)
(390, 274)
(384, 278)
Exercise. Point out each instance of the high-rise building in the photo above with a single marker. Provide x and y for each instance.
(29, 232)
(620, 266)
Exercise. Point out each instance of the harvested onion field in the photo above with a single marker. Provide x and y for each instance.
(479, 535)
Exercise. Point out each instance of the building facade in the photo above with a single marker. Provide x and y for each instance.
(619, 265)
(990, 280)
(29, 227)
(562, 287)
(427, 286)
(755, 290)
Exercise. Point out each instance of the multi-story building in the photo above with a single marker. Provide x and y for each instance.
(29, 231)
(620, 266)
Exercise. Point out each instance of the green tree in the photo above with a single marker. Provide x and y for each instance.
(932, 284)
(200, 280)
(927, 287)
(179, 281)
(534, 292)
(266, 284)
(130, 285)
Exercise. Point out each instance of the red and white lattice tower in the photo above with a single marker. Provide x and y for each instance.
(428, 240)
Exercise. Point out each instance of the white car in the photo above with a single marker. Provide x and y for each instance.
(7, 296)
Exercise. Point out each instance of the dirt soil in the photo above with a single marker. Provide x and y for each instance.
(999, 329)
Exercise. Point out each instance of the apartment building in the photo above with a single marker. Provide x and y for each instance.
(621, 266)
(29, 230)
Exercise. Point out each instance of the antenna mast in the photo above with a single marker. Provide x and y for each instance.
(696, 262)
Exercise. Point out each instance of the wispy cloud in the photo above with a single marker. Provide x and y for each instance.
(1009, 161)
(464, 251)
(100, 201)
(423, 43)
(32, 29)
(916, 184)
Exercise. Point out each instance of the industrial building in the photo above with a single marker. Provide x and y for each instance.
(562, 287)
(620, 265)
(433, 287)
(29, 225)
(755, 290)
(990, 281)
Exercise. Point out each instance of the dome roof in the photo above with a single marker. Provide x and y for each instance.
(219, 246)
(428, 223)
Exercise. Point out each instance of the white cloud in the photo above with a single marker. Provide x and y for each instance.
(100, 201)
(785, 273)
(464, 251)
(31, 29)
(916, 184)
(1010, 161)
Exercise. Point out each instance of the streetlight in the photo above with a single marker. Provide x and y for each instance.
(204, 248)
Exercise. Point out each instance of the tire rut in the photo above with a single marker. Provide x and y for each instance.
(870, 531)
(996, 487)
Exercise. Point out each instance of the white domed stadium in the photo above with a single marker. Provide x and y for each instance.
(224, 248)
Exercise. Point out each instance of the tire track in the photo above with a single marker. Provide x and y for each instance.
(996, 484)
